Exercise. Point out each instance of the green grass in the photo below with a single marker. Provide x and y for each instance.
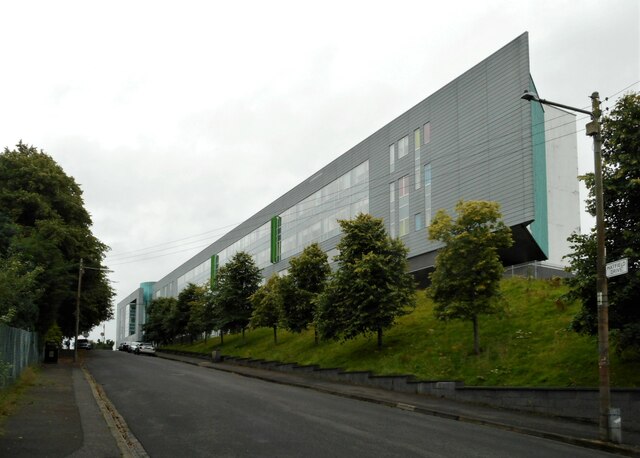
(11, 395)
(529, 343)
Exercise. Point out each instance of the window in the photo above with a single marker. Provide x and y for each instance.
(427, 193)
(392, 157)
(392, 210)
(427, 133)
(403, 205)
(419, 222)
(416, 151)
(314, 219)
(403, 147)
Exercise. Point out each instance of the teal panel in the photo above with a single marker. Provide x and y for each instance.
(147, 292)
(540, 226)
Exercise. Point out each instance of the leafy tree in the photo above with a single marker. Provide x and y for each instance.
(237, 280)
(307, 277)
(54, 334)
(371, 287)
(466, 280)
(621, 190)
(208, 316)
(194, 296)
(156, 329)
(189, 299)
(19, 292)
(267, 304)
(44, 222)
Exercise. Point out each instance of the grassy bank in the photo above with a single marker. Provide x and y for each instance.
(528, 344)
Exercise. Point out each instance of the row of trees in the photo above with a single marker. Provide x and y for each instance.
(44, 232)
(366, 293)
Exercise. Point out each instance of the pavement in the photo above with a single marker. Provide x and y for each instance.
(66, 414)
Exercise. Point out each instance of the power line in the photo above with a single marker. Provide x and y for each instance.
(143, 255)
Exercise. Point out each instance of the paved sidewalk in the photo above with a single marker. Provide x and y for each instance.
(58, 417)
(572, 432)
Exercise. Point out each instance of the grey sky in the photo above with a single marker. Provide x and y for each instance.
(181, 119)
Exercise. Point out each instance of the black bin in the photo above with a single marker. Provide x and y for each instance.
(50, 352)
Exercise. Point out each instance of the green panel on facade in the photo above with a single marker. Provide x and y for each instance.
(540, 227)
(214, 269)
(275, 239)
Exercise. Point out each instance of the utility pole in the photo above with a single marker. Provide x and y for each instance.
(75, 344)
(593, 130)
(610, 422)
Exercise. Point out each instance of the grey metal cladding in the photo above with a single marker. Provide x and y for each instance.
(137, 295)
(480, 149)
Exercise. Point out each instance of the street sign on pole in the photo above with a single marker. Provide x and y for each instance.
(619, 267)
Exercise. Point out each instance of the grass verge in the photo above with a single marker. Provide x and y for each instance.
(11, 396)
(529, 343)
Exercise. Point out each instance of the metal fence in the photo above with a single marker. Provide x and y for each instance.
(18, 350)
(536, 269)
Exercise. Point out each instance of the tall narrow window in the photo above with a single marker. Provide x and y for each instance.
(392, 210)
(403, 147)
(419, 222)
(416, 151)
(403, 205)
(427, 133)
(392, 157)
(427, 194)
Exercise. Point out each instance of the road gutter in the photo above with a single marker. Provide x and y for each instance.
(129, 445)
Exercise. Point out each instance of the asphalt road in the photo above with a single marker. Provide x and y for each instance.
(179, 410)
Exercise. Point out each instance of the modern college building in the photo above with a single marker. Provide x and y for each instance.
(474, 139)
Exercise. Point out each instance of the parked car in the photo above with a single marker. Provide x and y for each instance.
(123, 346)
(145, 348)
(83, 344)
(131, 348)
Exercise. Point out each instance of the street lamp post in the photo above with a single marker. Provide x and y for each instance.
(593, 130)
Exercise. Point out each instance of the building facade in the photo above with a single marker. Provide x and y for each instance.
(474, 139)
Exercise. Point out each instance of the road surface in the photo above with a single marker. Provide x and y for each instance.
(180, 410)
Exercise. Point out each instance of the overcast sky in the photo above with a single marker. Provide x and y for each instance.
(181, 119)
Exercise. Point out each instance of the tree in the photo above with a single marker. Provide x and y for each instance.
(466, 280)
(208, 310)
(45, 223)
(194, 299)
(621, 191)
(300, 288)
(237, 280)
(158, 317)
(19, 292)
(267, 304)
(371, 287)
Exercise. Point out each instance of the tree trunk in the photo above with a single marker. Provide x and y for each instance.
(275, 335)
(243, 335)
(315, 335)
(476, 337)
(379, 337)
(221, 337)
